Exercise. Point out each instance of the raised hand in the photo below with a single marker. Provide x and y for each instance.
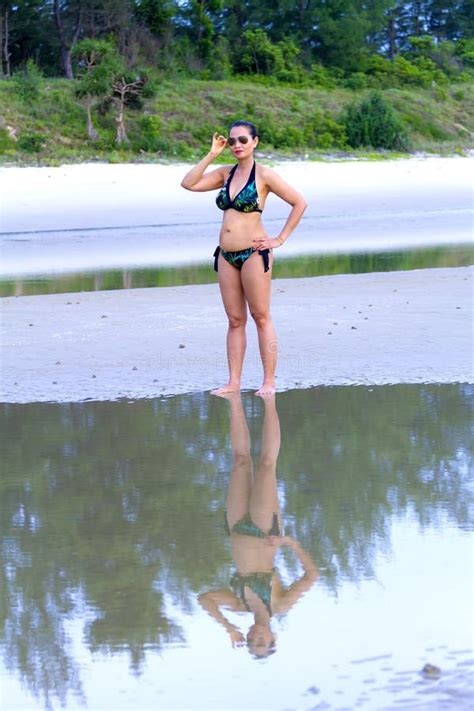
(236, 637)
(218, 144)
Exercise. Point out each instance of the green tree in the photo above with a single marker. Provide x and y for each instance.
(156, 15)
(76, 19)
(126, 88)
(464, 49)
(259, 55)
(202, 18)
(98, 65)
(193, 34)
(27, 32)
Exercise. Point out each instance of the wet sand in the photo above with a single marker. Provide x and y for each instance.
(379, 328)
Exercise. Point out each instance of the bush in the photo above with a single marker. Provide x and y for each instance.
(6, 141)
(291, 72)
(31, 142)
(374, 123)
(317, 130)
(324, 132)
(268, 129)
(440, 93)
(420, 72)
(459, 94)
(289, 137)
(220, 66)
(182, 150)
(28, 83)
(464, 49)
(279, 60)
(151, 135)
(356, 81)
(259, 55)
(417, 70)
(321, 76)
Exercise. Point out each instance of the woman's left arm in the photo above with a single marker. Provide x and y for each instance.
(288, 597)
(277, 185)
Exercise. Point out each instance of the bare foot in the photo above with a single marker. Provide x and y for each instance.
(233, 396)
(266, 389)
(226, 390)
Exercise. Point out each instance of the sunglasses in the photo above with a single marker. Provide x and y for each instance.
(241, 139)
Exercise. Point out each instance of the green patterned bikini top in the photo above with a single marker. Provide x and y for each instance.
(246, 527)
(246, 199)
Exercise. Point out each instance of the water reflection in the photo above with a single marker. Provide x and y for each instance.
(111, 516)
(285, 268)
(254, 524)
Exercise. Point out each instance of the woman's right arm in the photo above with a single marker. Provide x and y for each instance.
(195, 179)
(307, 580)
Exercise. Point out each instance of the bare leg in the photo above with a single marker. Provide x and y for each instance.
(264, 497)
(238, 493)
(236, 309)
(257, 286)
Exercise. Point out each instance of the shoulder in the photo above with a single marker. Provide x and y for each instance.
(267, 175)
(224, 171)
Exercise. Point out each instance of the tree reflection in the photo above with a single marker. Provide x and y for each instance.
(289, 268)
(371, 454)
(110, 511)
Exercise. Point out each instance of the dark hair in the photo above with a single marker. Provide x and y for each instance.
(251, 127)
(268, 652)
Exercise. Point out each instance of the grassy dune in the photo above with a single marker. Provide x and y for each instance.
(176, 121)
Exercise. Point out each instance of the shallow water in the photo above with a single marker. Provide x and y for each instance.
(113, 526)
(457, 255)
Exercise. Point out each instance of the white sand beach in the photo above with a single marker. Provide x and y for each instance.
(395, 327)
(376, 328)
(98, 216)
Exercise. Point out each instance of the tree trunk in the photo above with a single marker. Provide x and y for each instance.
(417, 19)
(5, 42)
(1, 46)
(91, 132)
(391, 37)
(66, 46)
(121, 136)
(302, 16)
(66, 62)
(200, 4)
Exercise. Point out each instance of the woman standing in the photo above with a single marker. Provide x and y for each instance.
(244, 257)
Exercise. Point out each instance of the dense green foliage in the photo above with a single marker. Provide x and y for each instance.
(218, 37)
(175, 119)
(153, 78)
(373, 123)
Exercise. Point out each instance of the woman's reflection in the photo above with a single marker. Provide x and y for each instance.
(253, 521)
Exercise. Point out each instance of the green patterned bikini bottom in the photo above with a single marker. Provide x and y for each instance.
(259, 583)
(238, 259)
